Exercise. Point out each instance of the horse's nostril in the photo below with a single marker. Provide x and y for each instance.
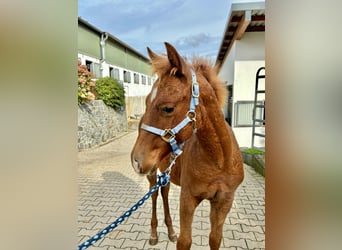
(136, 166)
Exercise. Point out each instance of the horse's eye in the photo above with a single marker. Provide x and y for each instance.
(168, 110)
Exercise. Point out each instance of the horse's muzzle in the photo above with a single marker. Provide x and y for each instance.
(137, 166)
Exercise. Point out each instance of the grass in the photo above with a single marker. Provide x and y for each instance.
(253, 151)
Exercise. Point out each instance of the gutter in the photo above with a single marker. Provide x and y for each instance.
(104, 37)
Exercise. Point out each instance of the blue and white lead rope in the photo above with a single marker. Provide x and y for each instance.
(163, 180)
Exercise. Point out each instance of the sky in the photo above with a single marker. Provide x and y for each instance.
(194, 27)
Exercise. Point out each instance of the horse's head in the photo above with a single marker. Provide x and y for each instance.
(167, 105)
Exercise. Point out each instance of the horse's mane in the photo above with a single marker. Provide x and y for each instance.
(204, 66)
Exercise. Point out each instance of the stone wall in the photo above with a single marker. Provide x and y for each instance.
(98, 124)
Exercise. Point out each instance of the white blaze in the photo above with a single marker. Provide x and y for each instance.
(154, 93)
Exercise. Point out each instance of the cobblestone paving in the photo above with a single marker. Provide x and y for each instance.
(108, 187)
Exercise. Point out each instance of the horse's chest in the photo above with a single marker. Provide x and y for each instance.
(204, 185)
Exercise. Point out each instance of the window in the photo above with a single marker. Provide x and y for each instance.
(136, 78)
(143, 79)
(88, 64)
(244, 113)
(149, 80)
(127, 76)
(93, 68)
(114, 73)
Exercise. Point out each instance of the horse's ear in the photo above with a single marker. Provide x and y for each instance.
(151, 54)
(175, 59)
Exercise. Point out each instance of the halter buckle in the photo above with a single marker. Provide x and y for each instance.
(194, 125)
(194, 89)
(167, 136)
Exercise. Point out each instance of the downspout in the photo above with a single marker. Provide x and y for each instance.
(104, 37)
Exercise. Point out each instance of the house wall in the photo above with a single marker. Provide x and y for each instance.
(88, 42)
(239, 68)
(244, 89)
(227, 69)
(250, 47)
(121, 57)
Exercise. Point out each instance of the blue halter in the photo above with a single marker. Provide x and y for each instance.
(169, 135)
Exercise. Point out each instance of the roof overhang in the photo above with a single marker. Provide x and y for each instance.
(243, 17)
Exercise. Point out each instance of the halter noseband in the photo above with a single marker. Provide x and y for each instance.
(169, 135)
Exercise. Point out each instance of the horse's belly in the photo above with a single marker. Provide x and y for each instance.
(212, 189)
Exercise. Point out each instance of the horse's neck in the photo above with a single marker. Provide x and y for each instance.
(214, 137)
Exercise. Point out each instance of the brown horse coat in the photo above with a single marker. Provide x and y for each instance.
(211, 165)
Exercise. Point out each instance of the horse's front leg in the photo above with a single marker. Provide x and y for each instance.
(188, 205)
(168, 221)
(219, 208)
(154, 221)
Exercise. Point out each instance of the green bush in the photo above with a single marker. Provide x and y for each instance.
(110, 91)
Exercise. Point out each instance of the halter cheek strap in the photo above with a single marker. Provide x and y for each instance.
(169, 135)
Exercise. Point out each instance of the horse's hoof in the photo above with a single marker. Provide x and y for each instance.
(173, 237)
(153, 241)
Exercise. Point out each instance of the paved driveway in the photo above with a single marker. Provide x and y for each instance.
(108, 187)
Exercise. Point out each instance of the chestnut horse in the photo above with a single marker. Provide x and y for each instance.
(184, 121)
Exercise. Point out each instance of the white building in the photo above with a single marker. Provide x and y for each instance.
(241, 55)
(105, 55)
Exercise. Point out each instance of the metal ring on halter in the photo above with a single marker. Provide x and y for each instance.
(167, 132)
(192, 116)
